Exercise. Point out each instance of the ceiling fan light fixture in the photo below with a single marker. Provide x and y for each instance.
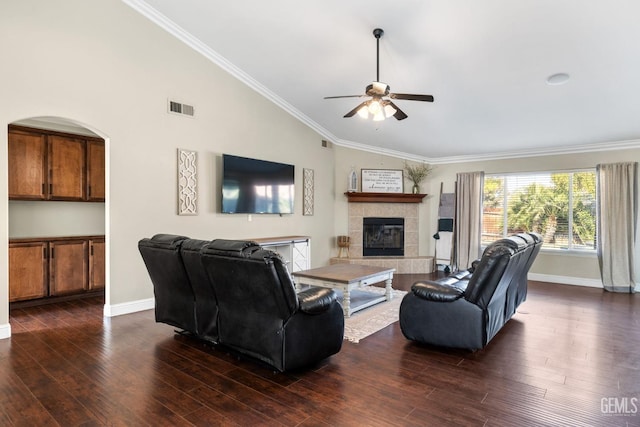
(364, 112)
(374, 106)
(379, 116)
(389, 111)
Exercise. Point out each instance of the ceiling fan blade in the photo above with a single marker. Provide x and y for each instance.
(344, 96)
(355, 110)
(411, 97)
(399, 114)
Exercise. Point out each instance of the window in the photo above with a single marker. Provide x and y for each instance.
(561, 206)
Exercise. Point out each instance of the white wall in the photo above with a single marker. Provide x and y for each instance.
(54, 219)
(104, 66)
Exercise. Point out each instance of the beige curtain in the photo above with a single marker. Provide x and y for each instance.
(617, 216)
(468, 218)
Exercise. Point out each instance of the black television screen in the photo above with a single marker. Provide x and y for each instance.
(256, 186)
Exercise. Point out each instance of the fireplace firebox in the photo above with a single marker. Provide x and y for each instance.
(382, 236)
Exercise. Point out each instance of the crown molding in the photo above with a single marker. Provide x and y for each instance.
(574, 149)
(554, 151)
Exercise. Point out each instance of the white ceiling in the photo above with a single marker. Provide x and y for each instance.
(485, 61)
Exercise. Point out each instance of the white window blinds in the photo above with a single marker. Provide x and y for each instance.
(561, 206)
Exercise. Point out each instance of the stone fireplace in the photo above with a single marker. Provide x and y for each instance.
(407, 211)
(411, 262)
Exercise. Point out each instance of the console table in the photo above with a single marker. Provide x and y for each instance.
(295, 250)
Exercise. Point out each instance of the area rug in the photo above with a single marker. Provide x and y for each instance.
(363, 323)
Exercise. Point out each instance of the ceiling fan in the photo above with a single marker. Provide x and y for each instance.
(379, 106)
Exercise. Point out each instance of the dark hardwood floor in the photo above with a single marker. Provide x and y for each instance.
(570, 356)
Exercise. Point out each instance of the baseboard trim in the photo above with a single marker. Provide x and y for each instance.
(566, 280)
(129, 307)
(5, 331)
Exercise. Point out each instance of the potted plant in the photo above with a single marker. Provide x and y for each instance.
(417, 174)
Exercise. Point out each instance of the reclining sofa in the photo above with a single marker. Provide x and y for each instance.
(467, 309)
(237, 295)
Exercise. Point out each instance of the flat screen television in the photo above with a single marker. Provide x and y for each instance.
(255, 186)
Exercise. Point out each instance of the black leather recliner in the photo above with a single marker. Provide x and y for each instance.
(466, 310)
(174, 296)
(261, 315)
(236, 294)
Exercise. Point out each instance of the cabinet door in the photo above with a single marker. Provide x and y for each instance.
(95, 171)
(66, 168)
(300, 257)
(27, 271)
(68, 267)
(27, 165)
(96, 264)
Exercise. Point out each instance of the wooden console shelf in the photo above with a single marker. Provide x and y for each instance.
(384, 197)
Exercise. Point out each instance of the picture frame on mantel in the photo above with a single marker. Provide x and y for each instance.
(382, 181)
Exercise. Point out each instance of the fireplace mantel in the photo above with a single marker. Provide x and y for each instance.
(384, 197)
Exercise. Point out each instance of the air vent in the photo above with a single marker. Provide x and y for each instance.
(179, 108)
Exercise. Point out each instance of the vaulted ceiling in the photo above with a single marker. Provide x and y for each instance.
(486, 63)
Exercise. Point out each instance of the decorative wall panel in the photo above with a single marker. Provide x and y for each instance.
(307, 202)
(187, 182)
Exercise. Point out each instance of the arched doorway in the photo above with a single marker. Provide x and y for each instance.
(68, 225)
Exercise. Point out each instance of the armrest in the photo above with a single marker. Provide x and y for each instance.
(316, 300)
(432, 291)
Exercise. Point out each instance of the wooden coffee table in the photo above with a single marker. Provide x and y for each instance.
(349, 279)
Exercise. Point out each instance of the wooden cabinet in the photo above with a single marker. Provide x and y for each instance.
(68, 267)
(66, 168)
(49, 165)
(28, 270)
(27, 165)
(97, 276)
(95, 171)
(53, 267)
